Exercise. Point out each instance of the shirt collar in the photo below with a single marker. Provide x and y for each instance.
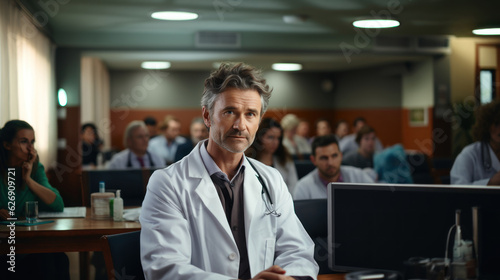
(212, 167)
(325, 182)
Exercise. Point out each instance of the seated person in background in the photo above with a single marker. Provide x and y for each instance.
(90, 145)
(478, 163)
(303, 130)
(152, 126)
(323, 127)
(166, 145)
(207, 216)
(296, 145)
(136, 155)
(268, 149)
(327, 157)
(341, 129)
(17, 152)
(363, 157)
(197, 132)
(348, 142)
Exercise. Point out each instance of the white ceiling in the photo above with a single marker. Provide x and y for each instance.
(122, 33)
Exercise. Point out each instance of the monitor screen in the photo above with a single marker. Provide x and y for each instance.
(379, 226)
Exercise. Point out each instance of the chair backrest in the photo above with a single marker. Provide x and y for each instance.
(131, 182)
(122, 255)
(303, 167)
(421, 168)
(313, 213)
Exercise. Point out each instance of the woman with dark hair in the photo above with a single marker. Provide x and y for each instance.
(268, 148)
(17, 152)
(20, 167)
(91, 144)
(478, 163)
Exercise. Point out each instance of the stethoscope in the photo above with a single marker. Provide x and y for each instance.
(485, 154)
(271, 209)
(129, 160)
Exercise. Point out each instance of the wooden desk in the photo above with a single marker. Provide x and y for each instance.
(65, 235)
(331, 276)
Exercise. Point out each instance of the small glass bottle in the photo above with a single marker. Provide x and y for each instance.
(118, 207)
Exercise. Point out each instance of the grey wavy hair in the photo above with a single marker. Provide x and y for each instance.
(235, 75)
(131, 127)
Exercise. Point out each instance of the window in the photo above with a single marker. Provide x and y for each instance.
(487, 84)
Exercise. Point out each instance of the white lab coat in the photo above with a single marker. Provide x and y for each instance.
(185, 233)
(469, 169)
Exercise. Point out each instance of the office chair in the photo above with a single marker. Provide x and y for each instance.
(303, 167)
(122, 255)
(313, 214)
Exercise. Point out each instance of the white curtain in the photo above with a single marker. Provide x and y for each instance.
(95, 97)
(27, 78)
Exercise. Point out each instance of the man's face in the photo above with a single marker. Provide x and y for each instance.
(235, 119)
(358, 126)
(327, 160)
(198, 132)
(173, 130)
(367, 143)
(152, 130)
(323, 128)
(342, 130)
(138, 140)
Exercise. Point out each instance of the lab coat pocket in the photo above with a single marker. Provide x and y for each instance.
(269, 255)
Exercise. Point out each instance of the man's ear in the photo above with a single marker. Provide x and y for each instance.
(206, 116)
(313, 159)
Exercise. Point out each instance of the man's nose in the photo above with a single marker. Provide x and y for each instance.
(239, 123)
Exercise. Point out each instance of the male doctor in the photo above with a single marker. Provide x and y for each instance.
(217, 214)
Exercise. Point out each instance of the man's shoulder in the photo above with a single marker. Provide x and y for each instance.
(118, 159)
(157, 140)
(353, 174)
(474, 148)
(308, 178)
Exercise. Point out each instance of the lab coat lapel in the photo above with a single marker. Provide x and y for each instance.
(252, 191)
(206, 188)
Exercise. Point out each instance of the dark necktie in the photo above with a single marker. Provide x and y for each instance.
(141, 161)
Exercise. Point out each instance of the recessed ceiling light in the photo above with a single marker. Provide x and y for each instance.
(287, 66)
(294, 18)
(487, 31)
(172, 15)
(155, 65)
(376, 23)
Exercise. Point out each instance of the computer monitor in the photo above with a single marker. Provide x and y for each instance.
(379, 226)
